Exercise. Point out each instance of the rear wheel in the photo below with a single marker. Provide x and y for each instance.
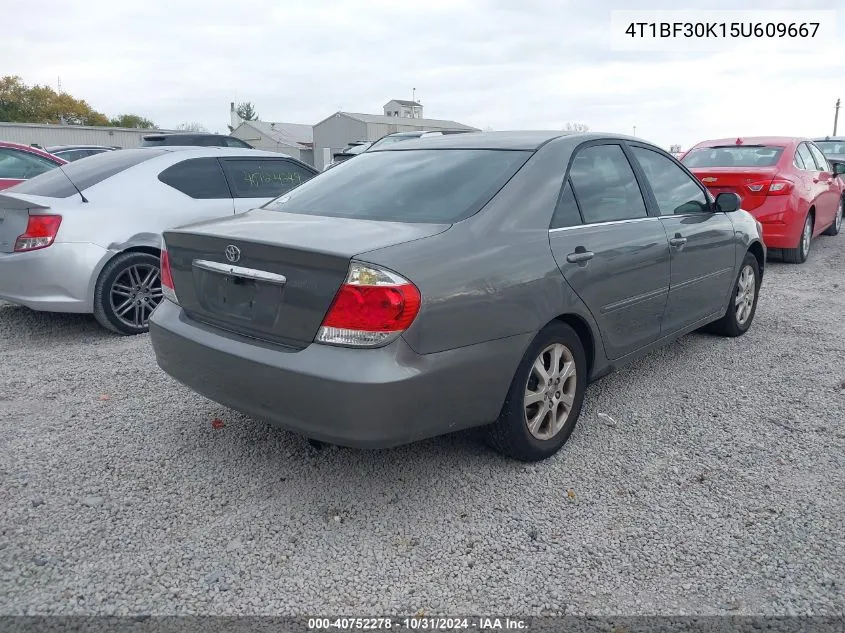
(833, 229)
(743, 305)
(799, 255)
(545, 397)
(127, 292)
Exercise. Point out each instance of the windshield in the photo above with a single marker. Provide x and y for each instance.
(356, 149)
(733, 156)
(831, 148)
(387, 140)
(427, 186)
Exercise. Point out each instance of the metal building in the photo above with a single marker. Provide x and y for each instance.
(45, 135)
(293, 139)
(333, 133)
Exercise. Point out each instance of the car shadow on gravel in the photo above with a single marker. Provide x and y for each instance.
(17, 322)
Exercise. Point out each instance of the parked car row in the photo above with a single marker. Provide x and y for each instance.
(788, 184)
(429, 285)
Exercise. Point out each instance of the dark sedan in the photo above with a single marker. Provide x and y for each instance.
(457, 281)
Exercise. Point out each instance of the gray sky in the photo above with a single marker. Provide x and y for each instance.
(507, 64)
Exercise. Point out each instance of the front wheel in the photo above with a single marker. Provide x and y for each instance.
(743, 305)
(545, 397)
(127, 292)
(799, 255)
(834, 228)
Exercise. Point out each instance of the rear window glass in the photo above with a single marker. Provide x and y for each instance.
(733, 156)
(425, 186)
(831, 148)
(85, 173)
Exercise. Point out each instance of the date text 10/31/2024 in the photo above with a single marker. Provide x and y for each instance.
(418, 623)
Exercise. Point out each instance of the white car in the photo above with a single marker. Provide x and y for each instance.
(86, 237)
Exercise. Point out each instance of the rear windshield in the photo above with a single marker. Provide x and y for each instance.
(85, 173)
(733, 156)
(425, 186)
(831, 148)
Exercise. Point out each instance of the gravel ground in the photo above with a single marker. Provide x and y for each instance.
(716, 485)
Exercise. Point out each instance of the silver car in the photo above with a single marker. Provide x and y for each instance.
(451, 282)
(86, 237)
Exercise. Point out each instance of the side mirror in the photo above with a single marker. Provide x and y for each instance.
(838, 168)
(727, 202)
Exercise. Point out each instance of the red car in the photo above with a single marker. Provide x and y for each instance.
(21, 162)
(784, 182)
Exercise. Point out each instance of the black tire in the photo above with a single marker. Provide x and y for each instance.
(112, 293)
(799, 255)
(510, 434)
(834, 228)
(730, 324)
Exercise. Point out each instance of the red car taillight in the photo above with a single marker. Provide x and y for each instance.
(167, 288)
(775, 187)
(40, 232)
(373, 307)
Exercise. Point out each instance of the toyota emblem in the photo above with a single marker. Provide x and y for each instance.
(233, 253)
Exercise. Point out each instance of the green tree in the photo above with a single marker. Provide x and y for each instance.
(135, 121)
(20, 103)
(246, 111)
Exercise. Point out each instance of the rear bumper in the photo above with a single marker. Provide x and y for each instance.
(58, 278)
(374, 398)
(781, 224)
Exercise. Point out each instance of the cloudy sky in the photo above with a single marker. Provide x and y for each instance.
(505, 64)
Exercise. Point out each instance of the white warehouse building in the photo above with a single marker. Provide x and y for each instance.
(46, 134)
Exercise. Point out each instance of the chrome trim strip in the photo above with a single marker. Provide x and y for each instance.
(240, 271)
(610, 223)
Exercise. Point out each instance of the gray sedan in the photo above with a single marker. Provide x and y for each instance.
(466, 280)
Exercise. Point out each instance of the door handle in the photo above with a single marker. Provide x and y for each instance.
(580, 256)
(678, 241)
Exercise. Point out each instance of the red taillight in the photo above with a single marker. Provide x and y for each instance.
(40, 232)
(372, 308)
(774, 187)
(167, 288)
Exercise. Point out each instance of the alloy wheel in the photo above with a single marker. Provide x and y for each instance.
(135, 293)
(806, 236)
(550, 391)
(745, 292)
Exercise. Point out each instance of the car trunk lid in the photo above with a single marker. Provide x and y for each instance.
(737, 180)
(15, 210)
(273, 275)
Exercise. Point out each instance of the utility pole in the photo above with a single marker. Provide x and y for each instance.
(836, 117)
(60, 89)
(635, 130)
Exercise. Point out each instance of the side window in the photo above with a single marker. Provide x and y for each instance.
(263, 177)
(22, 165)
(806, 157)
(200, 178)
(233, 142)
(605, 186)
(798, 161)
(566, 213)
(675, 191)
(821, 161)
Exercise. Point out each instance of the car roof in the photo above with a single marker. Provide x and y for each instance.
(510, 140)
(59, 148)
(778, 141)
(837, 139)
(33, 150)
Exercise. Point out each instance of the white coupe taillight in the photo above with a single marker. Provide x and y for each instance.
(40, 232)
(372, 308)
